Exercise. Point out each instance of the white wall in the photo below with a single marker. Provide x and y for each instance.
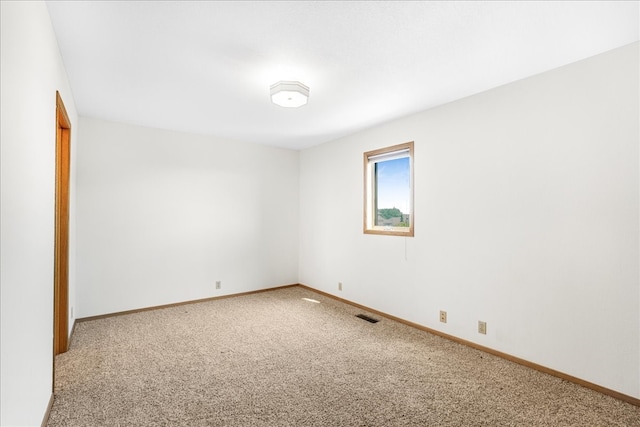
(526, 217)
(163, 215)
(31, 72)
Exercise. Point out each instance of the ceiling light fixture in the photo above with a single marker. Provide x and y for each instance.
(289, 94)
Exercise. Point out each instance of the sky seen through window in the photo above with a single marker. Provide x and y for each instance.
(394, 184)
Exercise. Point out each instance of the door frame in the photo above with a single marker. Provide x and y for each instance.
(61, 250)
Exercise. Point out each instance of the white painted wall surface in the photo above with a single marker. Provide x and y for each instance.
(526, 217)
(31, 72)
(164, 215)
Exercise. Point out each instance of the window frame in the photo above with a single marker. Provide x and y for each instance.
(369, 192)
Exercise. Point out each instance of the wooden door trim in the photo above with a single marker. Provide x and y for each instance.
(61, 250)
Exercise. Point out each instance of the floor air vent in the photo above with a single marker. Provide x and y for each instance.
(367, 318)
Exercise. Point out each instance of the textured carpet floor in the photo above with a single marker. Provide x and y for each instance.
(275, 359)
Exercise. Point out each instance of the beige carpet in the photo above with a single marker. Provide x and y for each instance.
(275, 359)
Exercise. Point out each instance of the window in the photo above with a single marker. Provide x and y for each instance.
(388, 190)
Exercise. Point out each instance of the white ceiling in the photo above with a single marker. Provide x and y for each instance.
(206, 67)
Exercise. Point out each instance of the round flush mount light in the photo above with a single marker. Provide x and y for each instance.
(289, 94)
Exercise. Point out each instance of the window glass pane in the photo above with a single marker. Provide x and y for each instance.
(393, 192)
(388, 191)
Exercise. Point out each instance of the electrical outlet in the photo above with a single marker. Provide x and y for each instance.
(339, 286)
(482, 327)
(72, 312)
(218, 284)
(443, 316)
